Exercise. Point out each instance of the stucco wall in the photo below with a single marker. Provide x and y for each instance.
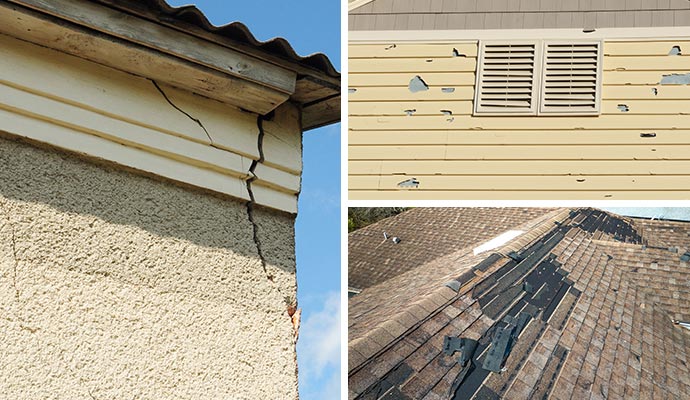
(117, 286)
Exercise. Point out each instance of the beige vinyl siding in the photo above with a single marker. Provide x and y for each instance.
(111, 115)
(640, 153)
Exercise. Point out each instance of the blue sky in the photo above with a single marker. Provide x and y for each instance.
(310, 26)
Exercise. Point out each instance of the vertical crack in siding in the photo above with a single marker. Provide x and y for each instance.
(13, 239)
(252, 201)
(198, 122)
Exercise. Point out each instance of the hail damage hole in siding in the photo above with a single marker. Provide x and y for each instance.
(417, 84)
(410, 112)
(409, 183)
(446, 112)
(447, 90)
(580, 179)
(351, 90)
(456, 53)
(675, 51)
(623, 108)
(655, 91)
(390, 47)
(648, 135)
(675, 79)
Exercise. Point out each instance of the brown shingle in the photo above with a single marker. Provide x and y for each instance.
(618, 341)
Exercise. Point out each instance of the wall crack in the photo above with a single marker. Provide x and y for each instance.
(252, 201)
(13, 239)
(198, 122)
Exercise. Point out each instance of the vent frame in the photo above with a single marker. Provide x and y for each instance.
(546, 109)
(479, 108)
(539, 79)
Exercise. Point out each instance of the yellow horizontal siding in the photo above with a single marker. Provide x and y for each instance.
(457, 155)
(637, 194)
(464, 107)
(419, 169)
(599, 183)
(499, 138)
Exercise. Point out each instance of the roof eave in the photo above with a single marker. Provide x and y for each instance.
(119, 34)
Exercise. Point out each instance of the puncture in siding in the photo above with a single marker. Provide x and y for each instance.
(647, 135)
(417, 84)
(456, 53)
(390, 47)
(409, 183)
(675, 79)
(655, 91)
(447, 90)
(623, 108)
(675, 51)
(351, 90)
(410, 111)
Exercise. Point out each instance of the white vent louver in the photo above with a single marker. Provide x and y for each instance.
(506, 79)
(570, 82)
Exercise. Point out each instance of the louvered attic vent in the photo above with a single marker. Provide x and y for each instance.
(505, 82)
(541, 77)
(570, 81)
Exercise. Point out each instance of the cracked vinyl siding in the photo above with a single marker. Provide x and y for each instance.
(117, 286)
(145, 125)
(637, 148)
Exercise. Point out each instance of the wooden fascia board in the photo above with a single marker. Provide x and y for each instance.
(321, 113)
(201, 33)
(137, 46)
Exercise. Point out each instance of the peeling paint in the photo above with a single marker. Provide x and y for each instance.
(409, 183)
(417, 84)
(675, 79)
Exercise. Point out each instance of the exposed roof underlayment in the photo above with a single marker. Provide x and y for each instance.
(585, 303)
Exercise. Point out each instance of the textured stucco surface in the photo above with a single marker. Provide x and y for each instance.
(116, 286)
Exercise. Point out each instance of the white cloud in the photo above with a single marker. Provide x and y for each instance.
(318, 351)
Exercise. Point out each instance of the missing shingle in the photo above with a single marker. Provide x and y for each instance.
(675, 51)
(623, 108)
(447, 90)
(409, 183)
(417, 84)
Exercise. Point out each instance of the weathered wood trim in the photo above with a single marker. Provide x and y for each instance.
(134, 58)
(166, 40)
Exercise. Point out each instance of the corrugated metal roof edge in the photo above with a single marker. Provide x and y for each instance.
(236, 31)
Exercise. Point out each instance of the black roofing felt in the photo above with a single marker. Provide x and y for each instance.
(235, 31)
